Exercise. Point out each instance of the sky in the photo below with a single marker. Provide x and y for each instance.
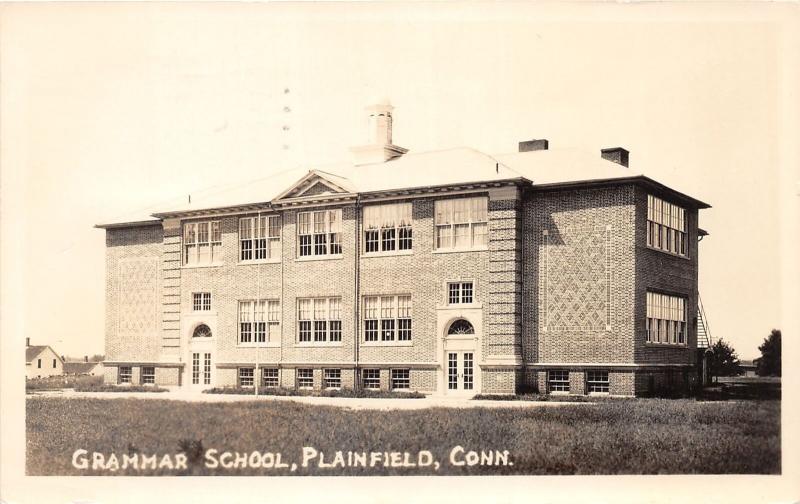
(113, 110)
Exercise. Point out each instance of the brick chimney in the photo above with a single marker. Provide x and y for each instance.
(533, 145)
(615, 155)
(27, 342)
(85, 358)
(379, 135)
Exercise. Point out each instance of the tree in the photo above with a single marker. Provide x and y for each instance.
(97, 358)
(770, 362)
(723, 360)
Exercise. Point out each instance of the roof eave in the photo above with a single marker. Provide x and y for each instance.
(483, 184)
(633, 179)
(113, 225)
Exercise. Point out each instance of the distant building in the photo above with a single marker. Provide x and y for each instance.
(41, 361)
(83, 368)
(452, 272)
(748, 367)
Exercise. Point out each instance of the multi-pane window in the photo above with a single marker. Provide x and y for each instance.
(148, 375)
(387, 318)
(246, 377)
(332, 378)
(461, 223)
(207, 369)
(558, 380)
(125, 374)
(387, 228)
(597, 381)
(259, 321)
(195, 368)
(460, 293)
(305, 378)
(201, 301)
(666, 226)
(666, 319)
(401, 379)
(319, 320)
(371, 378)
(269, 377)
(259, 238)
(319, 233)
(202, 243)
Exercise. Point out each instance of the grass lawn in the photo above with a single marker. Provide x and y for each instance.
(646, 436)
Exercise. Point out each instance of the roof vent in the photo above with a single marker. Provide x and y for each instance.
(615, 155)
(533, 145)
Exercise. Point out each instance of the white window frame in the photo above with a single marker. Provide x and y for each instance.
(556, 383)
(399, 382)
(126, 376)
(259, 320)
(372, 382)
(319, 225)
(148, 378)
(201, 301)
(461, 217)
(262, 240)
(298, 378)
(196, 236)
(267, 377)
(462, 287)
(594, 379)
(389, 314)
(246, 374)
(666, 227)
(332, 378)
(388, 229)
(665, 322)
(319, 321)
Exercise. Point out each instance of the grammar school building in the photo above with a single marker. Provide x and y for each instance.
(449, 272)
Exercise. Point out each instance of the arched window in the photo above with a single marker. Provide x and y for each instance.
(201, 331)
(461, 326)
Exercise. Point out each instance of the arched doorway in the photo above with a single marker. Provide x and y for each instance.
(459, 357)
(200, 353)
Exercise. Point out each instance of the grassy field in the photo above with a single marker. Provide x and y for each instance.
(613, 437)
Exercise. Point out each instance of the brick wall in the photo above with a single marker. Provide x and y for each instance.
(669, 274)
(564, 280)
(589, 246)
(133, 293)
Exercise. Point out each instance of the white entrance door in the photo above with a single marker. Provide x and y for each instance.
(201, 369)
(460, 371)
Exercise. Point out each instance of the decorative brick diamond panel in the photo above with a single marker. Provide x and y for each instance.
(138, 294)
(577, 279)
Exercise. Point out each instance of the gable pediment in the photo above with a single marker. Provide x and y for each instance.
(314, 184)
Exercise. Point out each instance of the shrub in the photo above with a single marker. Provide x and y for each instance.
(103, 387)
(61, 382)
(345, 392)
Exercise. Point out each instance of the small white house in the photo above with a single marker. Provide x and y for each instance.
(83, 368)
(41, 361)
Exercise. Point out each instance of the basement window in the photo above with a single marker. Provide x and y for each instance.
(125, 374)
(371, 379)
(597, 382)
(401, 379)
(305, 378)
(246, 377)
(558, 380)
(148, 375)
(269, 377)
